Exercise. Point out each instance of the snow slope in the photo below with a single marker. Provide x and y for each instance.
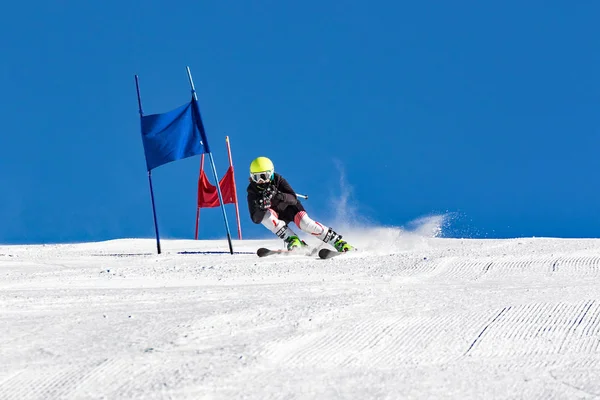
(407, 317)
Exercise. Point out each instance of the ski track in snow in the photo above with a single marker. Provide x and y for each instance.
(408, 316)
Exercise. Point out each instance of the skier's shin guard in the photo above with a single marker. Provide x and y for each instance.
(308, 225)
(272, 222)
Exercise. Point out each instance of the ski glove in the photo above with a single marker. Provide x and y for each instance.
(264, 203)
(286, 198)
(269, 192)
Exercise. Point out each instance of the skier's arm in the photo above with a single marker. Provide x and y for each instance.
(286, 193)
(256, 213)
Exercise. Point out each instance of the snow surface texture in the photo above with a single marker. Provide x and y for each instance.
(409, 316)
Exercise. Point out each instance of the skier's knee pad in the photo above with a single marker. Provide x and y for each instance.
(307, 224)
(272, 222)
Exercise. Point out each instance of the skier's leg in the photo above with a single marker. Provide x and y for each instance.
(326, 234)
(280, 227)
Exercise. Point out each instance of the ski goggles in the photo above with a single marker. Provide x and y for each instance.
(262, 177)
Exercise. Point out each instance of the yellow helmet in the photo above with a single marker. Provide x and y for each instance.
(261, 170)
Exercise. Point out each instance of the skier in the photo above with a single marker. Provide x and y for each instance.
(273, 203)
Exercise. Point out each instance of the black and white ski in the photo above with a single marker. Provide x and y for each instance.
(323, 253)
(327, 253)
(264, 252)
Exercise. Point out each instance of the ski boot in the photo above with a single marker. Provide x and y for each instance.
(335, 239)
(342, 246)
(294, 242)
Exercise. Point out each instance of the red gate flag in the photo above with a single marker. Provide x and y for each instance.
(207, 193)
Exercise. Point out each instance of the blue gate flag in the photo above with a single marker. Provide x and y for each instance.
(174, 135)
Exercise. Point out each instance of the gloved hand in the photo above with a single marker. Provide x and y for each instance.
(264, 203)
(269, 192)
(286, 198)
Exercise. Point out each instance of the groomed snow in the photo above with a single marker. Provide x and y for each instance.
(408, 316)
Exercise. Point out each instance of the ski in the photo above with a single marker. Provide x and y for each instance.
(323, 253)
(327, 253)
(264, 252)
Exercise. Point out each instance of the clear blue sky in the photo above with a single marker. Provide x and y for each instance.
(490, 110)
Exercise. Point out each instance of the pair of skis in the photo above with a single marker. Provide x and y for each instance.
(323, 253)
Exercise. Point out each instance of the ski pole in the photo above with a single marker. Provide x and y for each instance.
(302, 196)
